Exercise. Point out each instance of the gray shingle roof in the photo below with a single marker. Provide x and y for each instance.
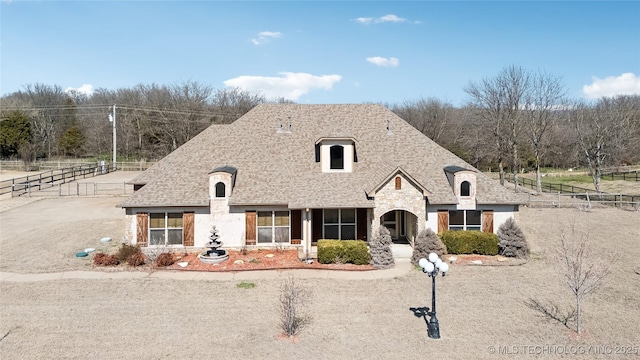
(280, 168)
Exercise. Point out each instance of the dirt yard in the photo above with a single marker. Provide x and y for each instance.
(481, 309)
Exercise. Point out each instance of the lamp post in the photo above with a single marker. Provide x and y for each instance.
(432, 267)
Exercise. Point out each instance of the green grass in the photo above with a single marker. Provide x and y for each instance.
(246, 285)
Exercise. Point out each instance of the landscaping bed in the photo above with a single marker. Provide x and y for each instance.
(261, 259)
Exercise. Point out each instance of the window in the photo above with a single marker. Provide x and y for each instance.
(340, 224)
(336, 153)
(273, 227)
(220, 190)
(465, 188)
(465, 220)
(165, 229)
(398, 183)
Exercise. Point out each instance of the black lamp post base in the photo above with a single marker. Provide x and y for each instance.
(433, 328)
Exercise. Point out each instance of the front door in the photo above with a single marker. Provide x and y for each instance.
(395, 221)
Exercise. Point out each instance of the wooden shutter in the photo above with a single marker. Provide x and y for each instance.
(316, 225)
(250, 228)
(187, 228)
(443, 220)
(296, 227)
(398, 183)
(487, 221)
(361, 225)
(142, 228)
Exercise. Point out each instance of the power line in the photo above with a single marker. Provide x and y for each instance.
(107, 108)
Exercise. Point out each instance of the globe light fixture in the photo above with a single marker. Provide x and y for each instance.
(432, 267)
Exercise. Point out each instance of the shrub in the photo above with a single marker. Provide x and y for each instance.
(427, 242)
(512, 240)
(470, 242)
(293, 297)
(102, 259)
(164, 259)
(380, 248)
(136, 259)
(344, 251)
(126, 250)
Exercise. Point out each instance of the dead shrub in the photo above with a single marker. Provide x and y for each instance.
(293, 297)
(125, 251)
(102, 259)
(136, 259)
(165, 259)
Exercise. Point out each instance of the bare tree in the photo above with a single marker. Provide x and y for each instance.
(599, 130)
(498, 100)
(582, 268)
(542, 103)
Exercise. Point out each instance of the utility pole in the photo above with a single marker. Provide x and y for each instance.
(112, 119)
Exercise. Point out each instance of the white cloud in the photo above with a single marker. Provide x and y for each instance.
(289, 86)
(381, 61)
(86, 89)
(381, 19)
(264, 36)
(625, 84)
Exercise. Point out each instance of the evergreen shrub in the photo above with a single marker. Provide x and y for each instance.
(343, 251)
(470, 242)
(512, 240)
(427, 242)
(380, 248)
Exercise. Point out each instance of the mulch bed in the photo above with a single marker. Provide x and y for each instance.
(260, 259)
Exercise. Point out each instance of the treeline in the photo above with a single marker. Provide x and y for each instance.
(44, 122)
(514, 121)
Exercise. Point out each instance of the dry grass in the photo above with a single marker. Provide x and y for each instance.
(478, 306)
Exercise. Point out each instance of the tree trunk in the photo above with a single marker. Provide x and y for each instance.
(578, 325)
(538, 175)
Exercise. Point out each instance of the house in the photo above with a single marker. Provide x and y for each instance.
(290, 174)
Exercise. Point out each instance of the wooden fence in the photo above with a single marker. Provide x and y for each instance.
(627, 176)
(56, 165)
(579, 193)
(48, 179)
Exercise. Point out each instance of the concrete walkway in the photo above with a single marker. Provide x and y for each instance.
(401, 268)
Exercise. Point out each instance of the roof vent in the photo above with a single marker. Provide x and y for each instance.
(289, 126)
(389, 132)
(279, 131)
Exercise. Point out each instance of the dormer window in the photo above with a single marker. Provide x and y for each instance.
(220, 190)
(465, 188)
(337, 157)
(336, 154)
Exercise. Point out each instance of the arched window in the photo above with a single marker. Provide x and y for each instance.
(336, 153)
(398, 183)
(220, 190)
(465, 188)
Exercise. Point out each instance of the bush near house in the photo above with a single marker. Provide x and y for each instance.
(512, 240)
(470, 242)
(102, 259)
(343, 251)
(380, 249)
(427, 242)
(125, 251)
(165, 259)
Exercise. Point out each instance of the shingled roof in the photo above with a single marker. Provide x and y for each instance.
(279, 168)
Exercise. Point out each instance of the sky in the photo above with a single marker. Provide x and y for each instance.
(320, 51)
